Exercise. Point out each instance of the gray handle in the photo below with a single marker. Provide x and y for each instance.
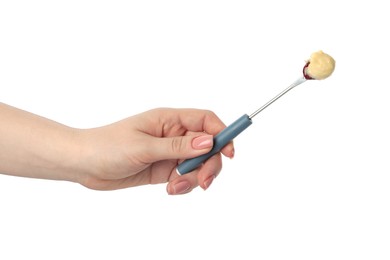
(220, 140)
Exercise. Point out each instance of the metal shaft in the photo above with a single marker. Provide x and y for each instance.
(296, 83)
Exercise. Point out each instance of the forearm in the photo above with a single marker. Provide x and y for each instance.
(33, 146)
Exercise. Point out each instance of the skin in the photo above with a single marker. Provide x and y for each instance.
(139, 150)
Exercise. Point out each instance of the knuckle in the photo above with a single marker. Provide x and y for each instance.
(178, 144)
(210, 113)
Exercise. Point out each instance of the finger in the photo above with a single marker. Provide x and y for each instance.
(209, 171)
(182, 184)
(202, 120)
(227, 150)
(178, 121)
(179, 147)
(201, 177)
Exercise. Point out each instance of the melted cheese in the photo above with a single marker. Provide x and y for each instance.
(321, 65)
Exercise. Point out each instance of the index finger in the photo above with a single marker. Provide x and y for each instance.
(175, 122)
(206, 121)
(172, 122)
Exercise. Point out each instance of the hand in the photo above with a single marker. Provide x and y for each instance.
(146, 148)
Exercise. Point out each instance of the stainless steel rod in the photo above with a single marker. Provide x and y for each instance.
(296, 83)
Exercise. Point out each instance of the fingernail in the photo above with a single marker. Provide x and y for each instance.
(232, 155)
(202, 142)
(180, 188)
(208, 182)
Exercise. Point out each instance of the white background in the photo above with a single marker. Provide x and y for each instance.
(310, 179)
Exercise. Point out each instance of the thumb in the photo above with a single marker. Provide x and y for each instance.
(181, 147)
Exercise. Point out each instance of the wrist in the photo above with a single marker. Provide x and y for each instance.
(58, 155)
(68, 159)
(85, 163)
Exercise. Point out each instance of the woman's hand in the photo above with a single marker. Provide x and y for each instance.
(146, 148)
